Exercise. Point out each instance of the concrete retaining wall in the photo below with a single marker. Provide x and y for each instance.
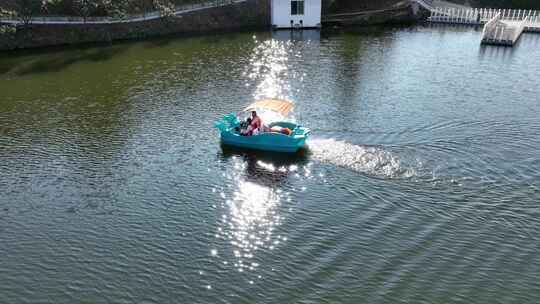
(239, 16)
(407, 13)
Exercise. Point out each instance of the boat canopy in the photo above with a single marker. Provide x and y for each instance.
(277, 105)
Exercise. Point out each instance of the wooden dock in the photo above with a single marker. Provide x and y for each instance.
(501, 27)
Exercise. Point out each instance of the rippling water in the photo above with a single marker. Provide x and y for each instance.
(420, 184)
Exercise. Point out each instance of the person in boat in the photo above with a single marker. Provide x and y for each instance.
(256, 126)
(245, 128)
(256, 123)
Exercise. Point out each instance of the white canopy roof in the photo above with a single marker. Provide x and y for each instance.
(277, 105)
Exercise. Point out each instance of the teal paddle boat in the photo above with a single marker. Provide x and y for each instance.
(279, 136)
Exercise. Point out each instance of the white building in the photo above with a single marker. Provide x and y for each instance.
(296, 13)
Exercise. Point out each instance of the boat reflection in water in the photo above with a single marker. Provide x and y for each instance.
(297, 35)
(257, 190)
(266, 167)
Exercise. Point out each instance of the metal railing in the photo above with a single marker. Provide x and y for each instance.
(490, 26)
(482, 15)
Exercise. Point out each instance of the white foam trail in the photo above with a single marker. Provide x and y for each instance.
(368, 160)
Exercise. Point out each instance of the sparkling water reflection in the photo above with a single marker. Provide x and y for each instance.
(420, 184)
(251, 215)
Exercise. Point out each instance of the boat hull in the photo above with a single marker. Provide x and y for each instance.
(269, 141)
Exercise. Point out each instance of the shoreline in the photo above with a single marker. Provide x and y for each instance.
(236, 17)
(240, 16)
(149, 39)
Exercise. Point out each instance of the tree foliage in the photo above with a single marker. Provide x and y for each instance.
(143, 6)
(85, 8)
(347, 6)
(166, 8)
(516, 4)
(6, 13)
(25, 10)
(7, 28)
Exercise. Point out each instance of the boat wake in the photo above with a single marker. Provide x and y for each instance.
(364, 159)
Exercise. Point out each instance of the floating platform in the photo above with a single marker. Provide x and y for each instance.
(501, 27)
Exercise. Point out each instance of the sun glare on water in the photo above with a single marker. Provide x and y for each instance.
(251, 212)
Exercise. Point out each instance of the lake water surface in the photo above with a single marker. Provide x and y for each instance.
(420, 184)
